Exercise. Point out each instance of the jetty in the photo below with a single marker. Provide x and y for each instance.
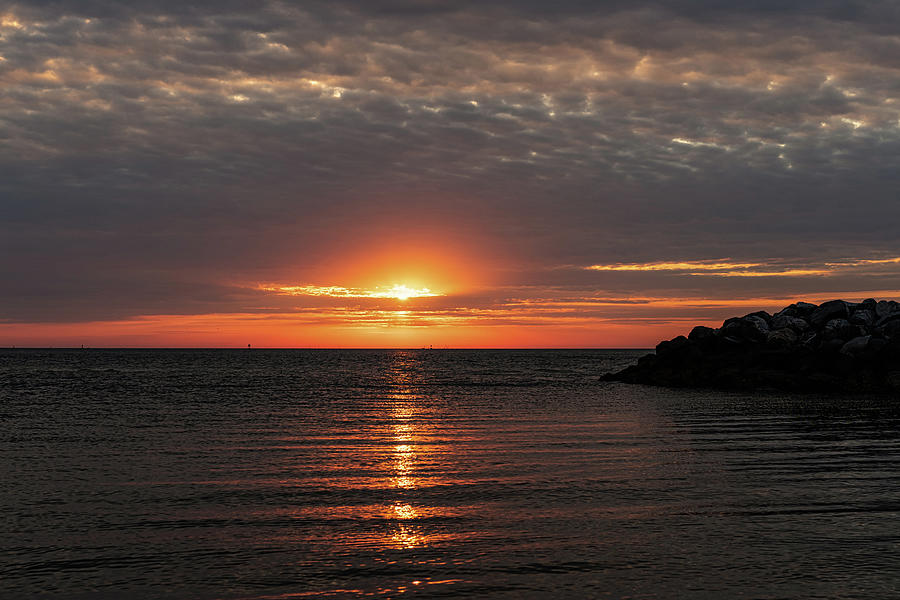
(834, 346)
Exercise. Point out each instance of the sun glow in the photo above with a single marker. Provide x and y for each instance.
(397, 291)
(402, 292)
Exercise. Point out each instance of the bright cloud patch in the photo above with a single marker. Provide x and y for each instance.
(726, 268)
(398, 292)
(702, 265)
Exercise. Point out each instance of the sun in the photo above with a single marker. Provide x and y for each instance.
(396, 291)
(403, 292)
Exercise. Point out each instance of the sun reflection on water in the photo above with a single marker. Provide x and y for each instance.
(407, 538)
(407, 535)
(407, 431)
(384, 459)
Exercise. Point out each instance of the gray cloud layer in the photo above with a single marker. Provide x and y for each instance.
(154, 156)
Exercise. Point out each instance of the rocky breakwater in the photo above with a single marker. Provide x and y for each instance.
(834, 346)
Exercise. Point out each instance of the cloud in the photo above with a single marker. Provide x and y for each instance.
(162, 155)
(703, 265)
(724, 268)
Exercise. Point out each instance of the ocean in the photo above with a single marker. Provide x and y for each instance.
(280, 474)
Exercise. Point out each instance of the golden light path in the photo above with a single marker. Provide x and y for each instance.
(396, 291)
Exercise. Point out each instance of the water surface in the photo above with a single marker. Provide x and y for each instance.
(505, 474)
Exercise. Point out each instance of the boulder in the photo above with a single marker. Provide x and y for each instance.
(672, 346)
(700, 332)
(891, 330)
(884, 308)
(805, 309)
(752, 329)
(797, 324)
(868, 304)
(856, 346)
(788, 311)
(760, 314)
(841, 329)
(757, 322)
(881, 322)
(811, 340)
(647, 360)
(863, 317)
(833, 309)
(782, 338)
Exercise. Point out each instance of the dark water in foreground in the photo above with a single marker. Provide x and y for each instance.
(319, 474)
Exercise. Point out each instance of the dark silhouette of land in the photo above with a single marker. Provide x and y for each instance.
(835, 346)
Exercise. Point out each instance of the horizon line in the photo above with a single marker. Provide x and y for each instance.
(380, 348)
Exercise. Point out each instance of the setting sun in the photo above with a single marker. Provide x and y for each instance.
(396, 291)
(402, 292)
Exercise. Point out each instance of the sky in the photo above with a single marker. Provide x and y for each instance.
(408, 173)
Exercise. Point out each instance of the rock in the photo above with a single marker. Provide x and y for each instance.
(833, 309)
(856, 346)
(781, 338)
(647, 360)
(757, 322)
(886, 307)
(752, 329)
(797, 324)
(887, 319)
(760, 314)
(836, 346)
(671, 346)
(868, 304)
(840, 329)
(863, 317)
(891, 330)
(811, 340)
(805, 309)
(787, 311)
(700, 332)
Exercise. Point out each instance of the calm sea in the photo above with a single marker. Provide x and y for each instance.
(440, 474)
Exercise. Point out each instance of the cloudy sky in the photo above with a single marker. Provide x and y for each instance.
(568, 173)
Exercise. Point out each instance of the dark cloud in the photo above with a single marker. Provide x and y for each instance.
(161, 155)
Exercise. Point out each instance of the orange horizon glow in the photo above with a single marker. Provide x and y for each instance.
(517, 324)
(446, 293)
